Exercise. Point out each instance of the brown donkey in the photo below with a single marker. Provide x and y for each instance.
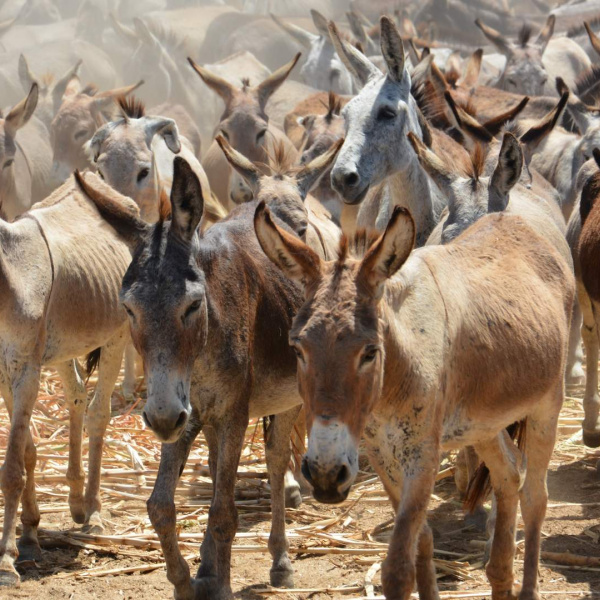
(209, 313)
(426, 351)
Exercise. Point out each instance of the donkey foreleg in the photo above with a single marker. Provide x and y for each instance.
(162, 512)
(129, 371)
(591, 400)
(97, 420)
(76, 398)
(16, 478)
(278, 457)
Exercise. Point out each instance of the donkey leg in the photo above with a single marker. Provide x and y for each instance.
(278, 458)
(505, 463)
(426, 582)
(25, 386)
(162, 512)
(129, 371)
(575, 373)
(591, 400)
(541, 434)
(208, 550)
(97, 420)
(296, 484)
(76, 397)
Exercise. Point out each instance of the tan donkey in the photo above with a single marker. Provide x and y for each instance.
(420, 352)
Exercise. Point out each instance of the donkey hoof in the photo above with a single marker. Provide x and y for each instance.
(29, 553)
(591, 438)
(77, 514)
(293, 497)
(9, 578)
(93, 525)
(282, 578)
(477, 519)
(208, 588)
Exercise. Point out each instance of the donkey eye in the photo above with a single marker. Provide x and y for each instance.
(100, 174)
(224, 134)
(143, 174)
(260, 135)
(81, 134)
(128, 311)
(192, 308)
(369, 355)
(297, 352)
(8, 163)
(386, 114)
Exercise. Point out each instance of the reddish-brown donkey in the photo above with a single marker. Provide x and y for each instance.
(425, 351)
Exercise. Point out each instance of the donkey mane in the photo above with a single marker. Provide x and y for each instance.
(281, 162)
(356, 246)
(131, 107)
(334, 107)
(587, 85)
(525, 34)
(474, 166)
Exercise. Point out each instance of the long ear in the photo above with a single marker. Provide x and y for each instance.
(464, 122)
(506, 174)
(546, 33)
(60, 87)
(119, 212)
(434, 167)
(388, 253)
(167, 128)
(594, 39)
(355, 61)
(582, 114)
(320, 23)
(308, 177)
(297, 261)
(104, 101)
(217, 84)
(302, 36)
(495, 124)
(124, 33)
(503, 45)
(535, 134)
(240, 163)
(22, 112)
(392, 49)
(473, 69)
(26, 77)
(359, 32)
(187, 201)
(271, 84)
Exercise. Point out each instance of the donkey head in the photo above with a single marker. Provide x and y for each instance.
(322, 69)
(524, 72)
(377, 119)
(81, 113)
(338, 338)
(244, 123)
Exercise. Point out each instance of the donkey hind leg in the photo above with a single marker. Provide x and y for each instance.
(208, 550)
(16, 479)
(162, 512)
(97, 421)
(76, 398)
(540, 437)
(507, 471)
(591, 400)
(575, 374)
(478, 517)
(295, 483)
(278, 458)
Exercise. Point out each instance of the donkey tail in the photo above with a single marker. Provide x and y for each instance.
(91, 362)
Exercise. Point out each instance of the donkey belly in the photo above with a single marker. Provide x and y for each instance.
(274, 395)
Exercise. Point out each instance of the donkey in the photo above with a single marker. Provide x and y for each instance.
(322, 68)
(245, 125)
(209, 313)
(424, 364)
(81, 112)
(25, 158)
(60, 286)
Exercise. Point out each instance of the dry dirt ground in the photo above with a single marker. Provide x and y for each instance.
(336, 550)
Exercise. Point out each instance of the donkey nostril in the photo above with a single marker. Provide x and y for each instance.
(146, 419)
(351, 179)
(343, 475)
(306, 471)
(181, 419)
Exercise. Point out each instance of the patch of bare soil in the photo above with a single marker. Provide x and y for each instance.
(336, 550)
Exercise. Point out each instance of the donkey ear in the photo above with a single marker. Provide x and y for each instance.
(60, 87)
(26, 77)
(355, 61)
(271, 84)
(388, 253)
(307, 178)
(473, 69)
(432, 165)
(166, 128)
(506, 174)
(392, 49)
(320, 23)
(504, 46)
(302, 36)
(297, 261)
(187, 201)
(218, 85)
(594, 39)
(240, 163)
(538, 132)
(22, 112)
(546, 33)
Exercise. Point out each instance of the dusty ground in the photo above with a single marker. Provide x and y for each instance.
(333, 548)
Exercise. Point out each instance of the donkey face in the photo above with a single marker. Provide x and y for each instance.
(164, 295)
(339, 343)
(377, 119)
